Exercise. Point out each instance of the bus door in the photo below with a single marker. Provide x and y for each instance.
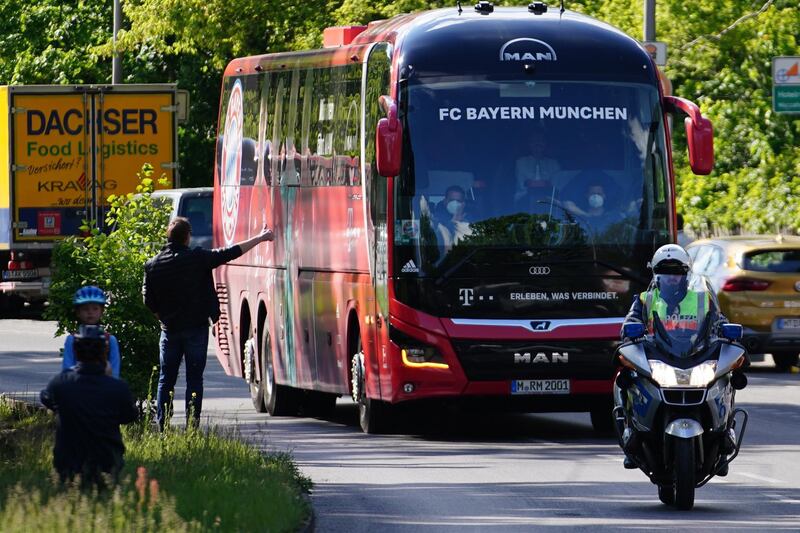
(376, 196)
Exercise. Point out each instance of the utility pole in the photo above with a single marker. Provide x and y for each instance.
(116, 62)
(649, 20)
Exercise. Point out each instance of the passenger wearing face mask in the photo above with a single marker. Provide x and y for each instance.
(453, 225)
(594, 194)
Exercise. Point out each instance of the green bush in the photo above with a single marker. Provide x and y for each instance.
(115, 263)
(173, 481)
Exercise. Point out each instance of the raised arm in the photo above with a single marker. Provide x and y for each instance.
(265, 235)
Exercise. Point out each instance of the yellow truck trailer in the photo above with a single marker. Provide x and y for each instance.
(63, 150)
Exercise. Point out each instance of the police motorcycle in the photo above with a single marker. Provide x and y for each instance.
(674, 396)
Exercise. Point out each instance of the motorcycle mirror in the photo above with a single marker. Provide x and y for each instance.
(633, 330)
(732, 332)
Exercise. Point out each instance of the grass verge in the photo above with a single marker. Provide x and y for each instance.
(176, 481)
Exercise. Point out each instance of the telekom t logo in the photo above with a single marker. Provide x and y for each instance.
(466, 296)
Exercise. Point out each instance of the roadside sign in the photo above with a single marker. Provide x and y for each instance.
(786, 84)
(786, 98)
(657, 50)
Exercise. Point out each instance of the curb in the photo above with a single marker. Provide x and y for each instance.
(310, 523)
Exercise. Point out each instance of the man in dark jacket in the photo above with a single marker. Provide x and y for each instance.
(89, 407)
(179, 289)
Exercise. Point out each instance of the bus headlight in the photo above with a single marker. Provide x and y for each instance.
(696, 376)
(415, 353)
(423, 357)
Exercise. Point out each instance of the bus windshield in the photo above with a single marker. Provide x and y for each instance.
(550, 168)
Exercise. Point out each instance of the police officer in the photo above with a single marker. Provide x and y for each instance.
(669, 296)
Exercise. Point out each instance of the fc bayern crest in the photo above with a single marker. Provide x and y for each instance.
(232, 163)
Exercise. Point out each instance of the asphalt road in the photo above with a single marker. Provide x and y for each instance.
(483, 471)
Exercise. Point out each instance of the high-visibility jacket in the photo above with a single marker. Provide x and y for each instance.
(691, 310)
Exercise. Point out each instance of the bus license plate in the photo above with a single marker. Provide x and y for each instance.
(540, 386)
(788, 324)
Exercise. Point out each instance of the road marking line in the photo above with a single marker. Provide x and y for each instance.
(760, 478)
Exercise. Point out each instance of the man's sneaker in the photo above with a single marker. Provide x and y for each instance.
(628, 463)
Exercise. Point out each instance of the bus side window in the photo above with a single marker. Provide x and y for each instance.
(264, 142)
(348, 124)
(306, 100)
(291, 169)
(251, 96)
(277, 152)
(321, 134)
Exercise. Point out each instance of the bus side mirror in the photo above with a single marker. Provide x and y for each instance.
(699, 134)
(388, 140)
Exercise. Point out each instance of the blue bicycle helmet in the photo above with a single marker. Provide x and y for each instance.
(89, 295)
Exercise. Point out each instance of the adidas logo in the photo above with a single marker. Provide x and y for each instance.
(410, 267)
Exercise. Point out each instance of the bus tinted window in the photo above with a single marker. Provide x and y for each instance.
(521, 163)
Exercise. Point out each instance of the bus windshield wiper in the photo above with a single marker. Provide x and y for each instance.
(457, 266)
(626, 272)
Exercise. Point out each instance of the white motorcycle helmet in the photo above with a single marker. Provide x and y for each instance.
(671, 259)
(671, 265)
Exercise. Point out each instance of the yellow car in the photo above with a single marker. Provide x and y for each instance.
(757, 281)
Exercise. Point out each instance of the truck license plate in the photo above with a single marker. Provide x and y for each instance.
(788, 323)
(540, 386)
(14, 275)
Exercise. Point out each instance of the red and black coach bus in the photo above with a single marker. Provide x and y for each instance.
(464, 205)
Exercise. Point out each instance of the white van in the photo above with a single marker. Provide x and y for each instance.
(196, 205)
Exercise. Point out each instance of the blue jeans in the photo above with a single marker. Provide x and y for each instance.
(174, 345)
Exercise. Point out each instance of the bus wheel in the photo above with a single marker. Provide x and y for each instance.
(279, 400)
(372, 414)
(256, 385)
(602, 418)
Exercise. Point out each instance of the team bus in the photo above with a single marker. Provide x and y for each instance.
(464, 205)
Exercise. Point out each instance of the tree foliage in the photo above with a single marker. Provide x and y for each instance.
(115, 263)
(719, 55)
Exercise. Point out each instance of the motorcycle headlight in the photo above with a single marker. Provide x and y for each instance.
(696, 376)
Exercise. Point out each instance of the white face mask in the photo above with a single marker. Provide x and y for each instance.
(453, 206)
(596, 200)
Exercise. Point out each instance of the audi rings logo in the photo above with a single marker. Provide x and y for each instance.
(539, 271)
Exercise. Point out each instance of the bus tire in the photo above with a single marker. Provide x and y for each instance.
(372, 414)
(602, 419)
(256, 385)
(279, 400)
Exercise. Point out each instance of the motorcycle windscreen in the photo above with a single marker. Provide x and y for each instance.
(681, 311)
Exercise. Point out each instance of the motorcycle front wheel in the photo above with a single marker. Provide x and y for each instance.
(666, 493)
(684, 474)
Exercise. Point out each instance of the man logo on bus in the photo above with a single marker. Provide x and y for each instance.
(231, 163)
(527, 49)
